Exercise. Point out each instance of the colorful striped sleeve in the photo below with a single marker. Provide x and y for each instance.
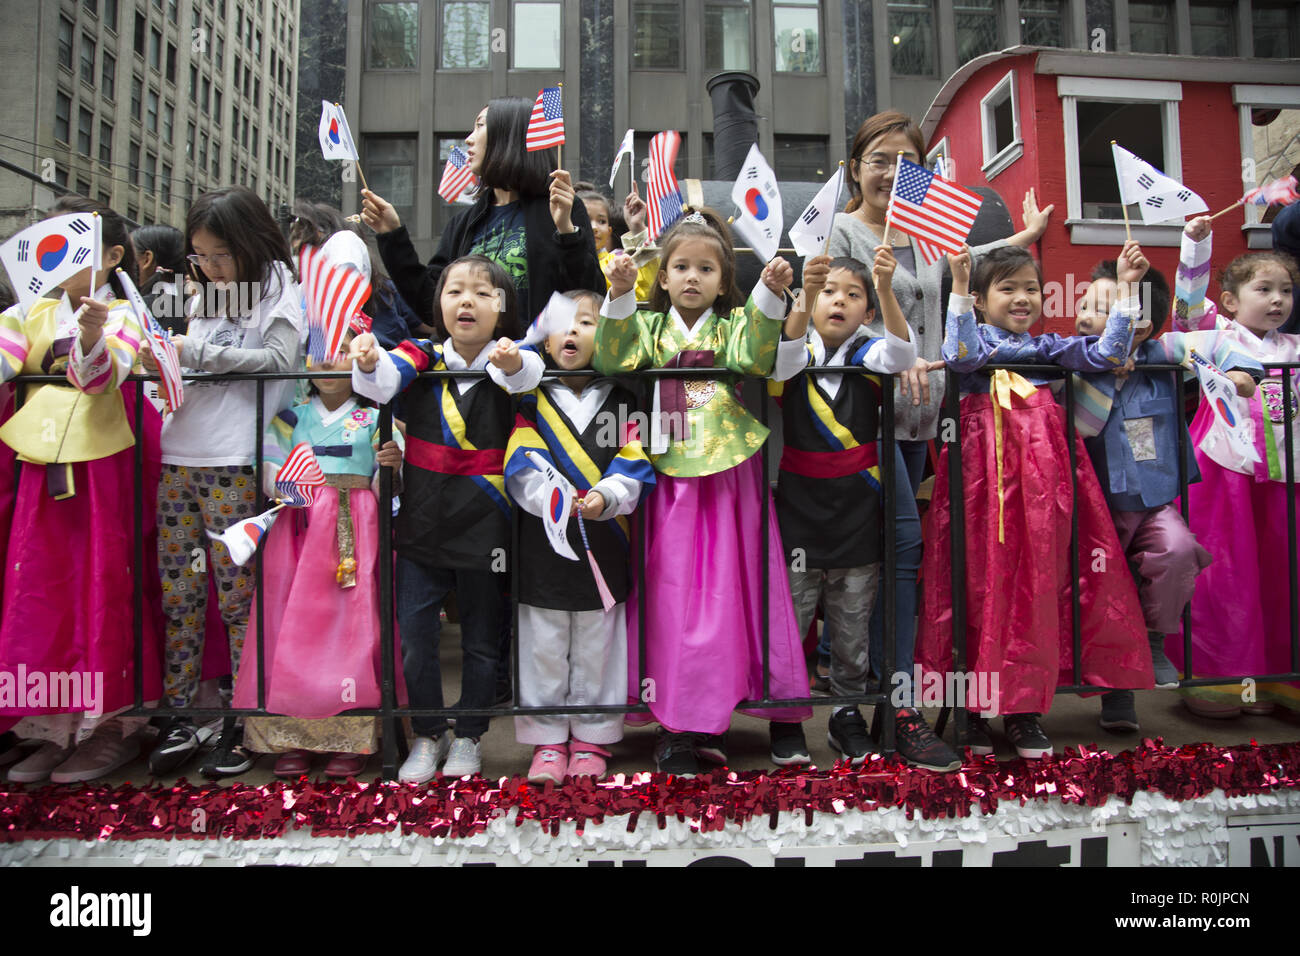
(1192, 310)
(108, 364)
(413, 357)
(13, 343)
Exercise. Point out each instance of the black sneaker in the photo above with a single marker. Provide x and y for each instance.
(712, 747)
(847, 733)
(1024, 733)
(180, 742)
(918, 745)
(977, 736)
(788, 745)
(675, 753)
(230, 757)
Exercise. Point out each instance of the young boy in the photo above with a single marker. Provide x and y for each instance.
(828, 494)
(1131, 424)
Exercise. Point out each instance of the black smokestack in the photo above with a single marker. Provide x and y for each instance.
(735, 124)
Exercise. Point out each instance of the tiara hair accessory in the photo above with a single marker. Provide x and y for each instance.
(695, 217)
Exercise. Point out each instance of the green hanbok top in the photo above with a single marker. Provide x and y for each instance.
(698, 427)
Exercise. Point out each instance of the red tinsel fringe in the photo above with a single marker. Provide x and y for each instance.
(461, 808)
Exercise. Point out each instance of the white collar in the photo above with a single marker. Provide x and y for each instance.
(325, 415)
(689, 333)
(454, 360)
(841, 354)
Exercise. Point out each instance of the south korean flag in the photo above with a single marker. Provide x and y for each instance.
(44, 256)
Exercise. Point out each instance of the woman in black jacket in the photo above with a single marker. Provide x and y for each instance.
(524, 218)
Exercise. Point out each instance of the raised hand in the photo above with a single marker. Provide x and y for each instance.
(622, 274)
(378, 213)
(364, 350)
(562, 201)
(505, 356)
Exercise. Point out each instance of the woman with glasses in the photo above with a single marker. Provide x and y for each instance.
(858, 231)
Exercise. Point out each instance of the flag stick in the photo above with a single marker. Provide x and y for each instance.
(889, 214)
(1123, 203)
(1239, 202)
(364, 184)
(826, 246)
(559, 149)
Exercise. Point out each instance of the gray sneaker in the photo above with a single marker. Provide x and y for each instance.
(1118, 712)
(421, 763)
(1166, 672)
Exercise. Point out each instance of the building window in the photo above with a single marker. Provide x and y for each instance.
(65, 43)
(1139, 115)
(108, 75)
(217, 113)
(390, 165)
(141, 29)
(656, 35)
(194, 84)
(464, 41)
(109, 18)
(155, 49)
(203, 153)
(169, 120)
(1274, 29)
(171, 63)
(85, 129)
(62, 116)
(976, 23)
(221, 53)
(726, 36)
(137, 97)
(150, 173)
(1270, 116)
(796, 26)
(641, 147)
(1151, 27)
(132, 213)
(911, 39)
(133, 166)
(61, 177)
(1042, 23)
(104, 198)
(1213, 30)
(1000, 126)
(83, 187)
(166, 183)
(942, 149)
(88, 58)
(394, 36)
(105, 144)
(216, 160)
(205, 97)
(801, 158)
(537, 40)
(151, 112)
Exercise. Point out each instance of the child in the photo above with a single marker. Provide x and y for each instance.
(608, 244)
(1016, 476)
(571, 650)
(828, 497)
(453, 530)
(247, 318)
(704, 633)
(1240, 618)
(1131, 425)
(69, 542)
(320, 579)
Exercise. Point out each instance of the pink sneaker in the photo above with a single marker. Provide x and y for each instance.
(550, 762)
(587, 760)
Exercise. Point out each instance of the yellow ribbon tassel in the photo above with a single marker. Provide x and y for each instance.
(1004, 383)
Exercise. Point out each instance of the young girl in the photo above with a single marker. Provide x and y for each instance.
(69, 543)
(160, 251)
(320, 580)
(1016, 476)
(608, 241)
(453, 530)
(248, 318)
(704, 627)
(571, 650)
(1240, 619)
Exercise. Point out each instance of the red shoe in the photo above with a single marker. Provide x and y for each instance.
(293, 764)
(346, 765)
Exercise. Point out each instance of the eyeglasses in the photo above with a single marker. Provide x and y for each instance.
(878, 164)
(219, 259)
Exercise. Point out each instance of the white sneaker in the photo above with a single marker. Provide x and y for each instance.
(421, 764)
(466, 757)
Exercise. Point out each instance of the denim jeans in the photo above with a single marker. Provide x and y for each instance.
(907, 552)
(420, 593)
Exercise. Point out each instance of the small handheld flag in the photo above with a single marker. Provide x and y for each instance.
(556, 317)
(1221, 394)
(335, 138)
(160, 344)
(546, 125)
(602, 588)
(1159, 197)
(663, 198)
(624, 149)
(242, 538)
(937, 213)
(299, 477)
(559, 494)
(456, 175)
(808, 233)
(761, 217)
(333, 292)
(46, 254)
(1281, 192)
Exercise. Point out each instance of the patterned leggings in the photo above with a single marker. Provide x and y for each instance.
(190, 501)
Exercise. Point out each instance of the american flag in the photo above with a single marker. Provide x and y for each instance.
(546, 125)
(937, 213)
(456, 175)
(299, 477)
(1280, 191)
(334, 292)
(663, 199)
(160, 344)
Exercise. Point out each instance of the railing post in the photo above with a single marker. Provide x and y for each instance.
(1076, 641)
(388, 688)
(889, 609)
(957, 543)
(137, 536)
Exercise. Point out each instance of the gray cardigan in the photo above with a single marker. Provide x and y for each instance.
(920, 298)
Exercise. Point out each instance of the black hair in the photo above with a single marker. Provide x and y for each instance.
(314, 222)
(507, 163)
(508, 319)
(859, 271)
(167, 243)
(239, 218)
(1153, 292)
(999, 263)
(112, 232)
(577, 295)
(586, 192)
(712, 229)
